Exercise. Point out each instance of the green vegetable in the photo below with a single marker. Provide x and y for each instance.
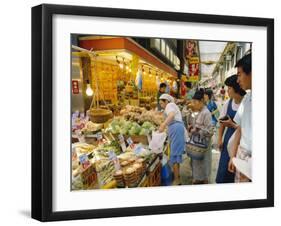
(144, 132)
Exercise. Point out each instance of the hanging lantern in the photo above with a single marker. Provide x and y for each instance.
(138, 80)
(175, 86)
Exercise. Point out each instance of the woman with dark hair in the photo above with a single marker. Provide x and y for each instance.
(236, 93)
(201, 169)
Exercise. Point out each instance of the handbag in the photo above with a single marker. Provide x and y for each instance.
(197, 146)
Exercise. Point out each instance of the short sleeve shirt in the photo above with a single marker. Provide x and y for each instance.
(172, 107)
(224, 108)
(243, 118)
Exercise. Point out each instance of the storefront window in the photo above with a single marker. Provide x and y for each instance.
(167, 52)
(239, 53)
(163, 47)
(157, 43)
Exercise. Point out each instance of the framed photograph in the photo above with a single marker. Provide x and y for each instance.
(145, 112)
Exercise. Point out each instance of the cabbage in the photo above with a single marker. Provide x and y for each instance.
(147, 125)
(135, 124)
(136, 128)
(123, 131)
(144, 132)
(132, 132)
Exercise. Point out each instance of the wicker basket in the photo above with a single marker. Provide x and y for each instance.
(100, 115)
(197, 151)
(129, 89)
(138, 139)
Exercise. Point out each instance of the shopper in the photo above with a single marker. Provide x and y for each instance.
(211, 105)
(162, 90)
(222, 93)
(201, 169)
(176, 133)
(236, 93)
(242, 144)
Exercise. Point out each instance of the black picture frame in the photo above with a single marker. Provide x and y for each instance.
(42, 111)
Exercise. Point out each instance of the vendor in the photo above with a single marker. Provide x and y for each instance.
(162, 90)
(176, 133)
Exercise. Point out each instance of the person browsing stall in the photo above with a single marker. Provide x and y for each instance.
(176, 133)
(201, 169)
(235, 93)
(211, 105)
(242, 144)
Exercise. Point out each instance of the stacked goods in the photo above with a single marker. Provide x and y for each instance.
(139, 170)
(119, 178)
(130, 177)
(141, 162)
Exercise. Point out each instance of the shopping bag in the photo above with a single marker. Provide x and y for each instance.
(230, 144)
(166, 174)
(157, 141)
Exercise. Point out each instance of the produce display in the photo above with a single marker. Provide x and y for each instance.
(98, 160)
(140, 115)
(124, 127)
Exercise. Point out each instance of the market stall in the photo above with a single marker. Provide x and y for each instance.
(116, 153)
(110, 139)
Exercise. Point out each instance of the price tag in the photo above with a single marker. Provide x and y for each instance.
(74, 155)
(130, 143)
(84, 160)
(99, 136)
(120, 138)
(113, 157)
(121, 141)
(138, 150)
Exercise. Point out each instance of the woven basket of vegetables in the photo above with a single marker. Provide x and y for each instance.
(98, 115)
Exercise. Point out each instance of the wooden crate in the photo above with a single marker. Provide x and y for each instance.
(154, 177)
(144, 182)
(89, 177)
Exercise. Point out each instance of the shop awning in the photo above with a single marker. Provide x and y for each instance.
(125, 45)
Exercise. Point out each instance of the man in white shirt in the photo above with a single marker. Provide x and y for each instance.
(242, 144)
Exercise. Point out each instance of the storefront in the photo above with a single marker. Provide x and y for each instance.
(111, 130)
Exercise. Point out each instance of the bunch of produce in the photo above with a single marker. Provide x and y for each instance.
(105, 170)
(91, 128)
(124, 127)
(134, 109)
(82, 148)
(102, 151)
(140, 115)
(152, 116)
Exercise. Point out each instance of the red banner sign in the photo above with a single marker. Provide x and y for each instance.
(75, 87)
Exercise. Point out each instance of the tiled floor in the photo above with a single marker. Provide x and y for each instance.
(185, 170)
